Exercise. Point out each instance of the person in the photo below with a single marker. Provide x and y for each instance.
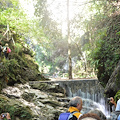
(90, 116)
(75, 105)
(6, 50)
(115, 114)
(99, 113)
(73, 113)
(0, 48)
(117, 106)
(5, 115)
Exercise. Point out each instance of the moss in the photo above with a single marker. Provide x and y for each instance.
(118, 77)
(117, 96)
(21, 67)
(107, 53)
(14, 108)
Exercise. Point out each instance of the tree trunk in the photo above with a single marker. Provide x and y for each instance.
(69, 42)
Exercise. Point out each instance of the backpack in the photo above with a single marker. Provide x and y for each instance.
(66, 116)
(8, 50)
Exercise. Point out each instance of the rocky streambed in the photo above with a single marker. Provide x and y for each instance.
(36, 102)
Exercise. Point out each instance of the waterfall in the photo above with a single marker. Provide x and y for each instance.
(88, 89)
(91, 92)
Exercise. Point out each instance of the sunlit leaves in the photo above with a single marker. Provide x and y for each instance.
(14, 17)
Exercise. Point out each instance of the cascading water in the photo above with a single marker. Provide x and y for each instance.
(91, 92)
(102, 106)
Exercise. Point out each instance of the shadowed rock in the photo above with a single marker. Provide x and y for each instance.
(113, 84)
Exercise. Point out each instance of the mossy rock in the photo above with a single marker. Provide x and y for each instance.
(28, 96)
(15, 108)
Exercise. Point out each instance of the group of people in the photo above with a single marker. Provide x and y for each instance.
(76, 106)
(5, 49)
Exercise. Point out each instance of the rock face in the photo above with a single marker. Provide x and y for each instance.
(17, 71)
(113, 84)
(24, 102)
(52, 88)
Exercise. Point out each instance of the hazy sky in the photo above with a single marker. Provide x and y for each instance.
(58, 10)
(28, 7)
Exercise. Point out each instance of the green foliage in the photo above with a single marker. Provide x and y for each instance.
(117, 96)
(10, 69)
(10, 65)
(104, 39)
(16, 69)
(51, 47)
(118, 33)
(18, 48)
(13, 16)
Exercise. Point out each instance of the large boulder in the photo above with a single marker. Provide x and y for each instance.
(113, 84)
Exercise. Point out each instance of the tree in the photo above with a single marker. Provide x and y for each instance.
(69, 42)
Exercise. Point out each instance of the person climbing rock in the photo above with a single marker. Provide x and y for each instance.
(5, 115)
(6, 50)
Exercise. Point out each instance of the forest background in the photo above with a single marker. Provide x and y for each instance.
(94, 33)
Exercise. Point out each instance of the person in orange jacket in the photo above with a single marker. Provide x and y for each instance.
(75, 106)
